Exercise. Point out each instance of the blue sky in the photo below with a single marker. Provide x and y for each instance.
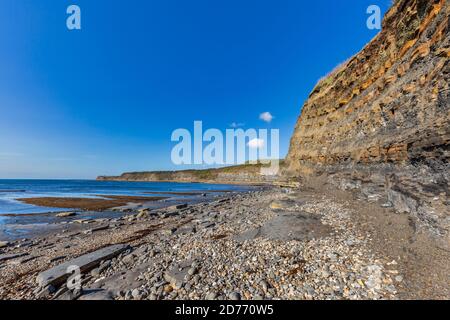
(104, 100)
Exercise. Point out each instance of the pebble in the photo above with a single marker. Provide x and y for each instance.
(235, 296)
(192, 271)
(211, 296)
(264, 285)
(137, 294)
(168, 288)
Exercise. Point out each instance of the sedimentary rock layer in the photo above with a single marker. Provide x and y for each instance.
(381, 120)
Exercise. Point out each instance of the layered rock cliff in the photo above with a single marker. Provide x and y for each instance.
(380, 122)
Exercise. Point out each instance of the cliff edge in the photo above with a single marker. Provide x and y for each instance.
(380, 122)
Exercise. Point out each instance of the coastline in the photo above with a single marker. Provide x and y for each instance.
(251, 183)
(246, 174)
(68, 210)
(276, 243)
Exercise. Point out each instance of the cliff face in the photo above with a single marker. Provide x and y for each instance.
(380, 122)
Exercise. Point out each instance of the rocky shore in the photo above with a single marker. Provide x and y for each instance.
(274, 243)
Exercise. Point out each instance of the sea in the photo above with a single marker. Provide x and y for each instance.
(11, 190)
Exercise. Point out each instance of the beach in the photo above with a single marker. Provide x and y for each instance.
(198, 151)
(28, 207)
(272, 243)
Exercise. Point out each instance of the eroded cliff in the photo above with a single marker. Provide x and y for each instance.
(241, 174)
(380, 122)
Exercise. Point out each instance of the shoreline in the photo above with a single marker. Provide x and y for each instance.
(273, 243)
(210, 182)
(104, 206)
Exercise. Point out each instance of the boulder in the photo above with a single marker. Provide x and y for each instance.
(177, 207)
(4, 244)
(58, 275)
(99, 228)
(66, 214)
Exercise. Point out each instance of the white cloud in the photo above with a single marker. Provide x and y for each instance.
(266, 116)
(256, 143)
